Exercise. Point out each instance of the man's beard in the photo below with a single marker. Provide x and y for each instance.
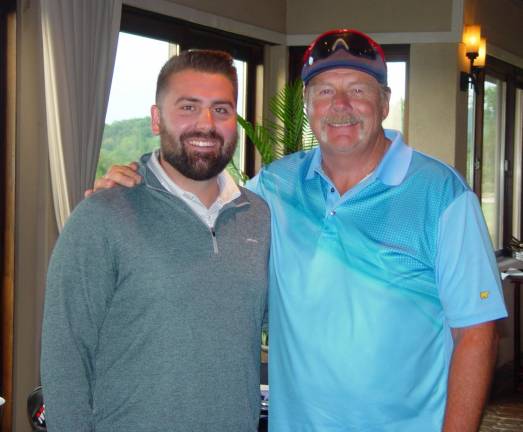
(197, 165)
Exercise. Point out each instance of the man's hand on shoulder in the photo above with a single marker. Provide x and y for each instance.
(117, 175)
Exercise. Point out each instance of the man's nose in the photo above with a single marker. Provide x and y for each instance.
(205, 119)
(341, 100)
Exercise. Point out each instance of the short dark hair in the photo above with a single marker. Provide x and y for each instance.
(210, 61)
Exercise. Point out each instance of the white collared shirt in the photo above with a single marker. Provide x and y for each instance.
(229, 191)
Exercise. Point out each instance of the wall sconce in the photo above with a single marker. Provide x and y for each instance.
(472, 55)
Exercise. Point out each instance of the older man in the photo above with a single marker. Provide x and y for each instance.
(156, 294)
(384, 286)
(383, 283)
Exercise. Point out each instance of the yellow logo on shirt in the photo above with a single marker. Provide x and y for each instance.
(484, 294)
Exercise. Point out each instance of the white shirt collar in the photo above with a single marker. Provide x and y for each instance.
(229, 191)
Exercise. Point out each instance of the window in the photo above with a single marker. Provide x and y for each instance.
(471, 161)
(493, 157)
(239, 155)
(127, 133)
(146, 42)
(494, 153)
(397, 79)
(518, 158)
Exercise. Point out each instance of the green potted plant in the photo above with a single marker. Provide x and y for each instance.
(288, 131)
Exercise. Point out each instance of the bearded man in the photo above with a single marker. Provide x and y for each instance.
(156, 294)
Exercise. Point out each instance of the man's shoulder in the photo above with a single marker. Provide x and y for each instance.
(432, 170)
(257, 202)
(110, 199)
(107, 206)
(292, 160)
(290, 167)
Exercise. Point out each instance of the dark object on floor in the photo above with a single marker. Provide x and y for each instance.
(263, 425)
(36, 410)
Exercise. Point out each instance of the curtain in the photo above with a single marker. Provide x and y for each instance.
(79, 49)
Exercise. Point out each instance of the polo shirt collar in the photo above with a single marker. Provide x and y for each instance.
(391, 170)
(395, 163)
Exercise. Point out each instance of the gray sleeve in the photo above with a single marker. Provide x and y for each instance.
(80, 283)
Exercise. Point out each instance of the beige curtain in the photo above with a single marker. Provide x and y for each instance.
(79, 48)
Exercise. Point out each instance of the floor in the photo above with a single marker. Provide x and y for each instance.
(504, 412)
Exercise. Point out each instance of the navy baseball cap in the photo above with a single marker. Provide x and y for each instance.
(344, 48)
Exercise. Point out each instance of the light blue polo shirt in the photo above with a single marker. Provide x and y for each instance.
(365, 288)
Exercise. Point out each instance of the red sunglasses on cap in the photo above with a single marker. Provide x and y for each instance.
(344, 48)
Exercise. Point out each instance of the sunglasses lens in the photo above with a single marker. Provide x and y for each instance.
(355, 44)
(361, 47)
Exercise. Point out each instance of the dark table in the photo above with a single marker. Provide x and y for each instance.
(505, 263)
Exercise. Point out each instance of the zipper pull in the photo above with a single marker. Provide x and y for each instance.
(214, 242)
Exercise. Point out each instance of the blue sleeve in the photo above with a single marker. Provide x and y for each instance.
(467, 275)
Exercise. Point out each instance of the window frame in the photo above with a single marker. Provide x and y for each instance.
(512, 76)
(7, 197)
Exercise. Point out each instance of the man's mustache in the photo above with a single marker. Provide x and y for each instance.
(341, 119)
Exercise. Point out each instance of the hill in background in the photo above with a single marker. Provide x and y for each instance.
(125, 141)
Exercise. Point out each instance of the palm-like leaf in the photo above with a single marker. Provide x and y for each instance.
(290, 119)
(262, 139)
(237, 174)
(288, 132)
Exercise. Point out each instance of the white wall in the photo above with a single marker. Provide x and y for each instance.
(268, 14)
(433, 89)
(252, 18)
(383, 16)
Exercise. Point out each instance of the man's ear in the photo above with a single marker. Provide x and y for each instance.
(155, 119)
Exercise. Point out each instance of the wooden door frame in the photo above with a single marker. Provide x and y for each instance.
(7, 198)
